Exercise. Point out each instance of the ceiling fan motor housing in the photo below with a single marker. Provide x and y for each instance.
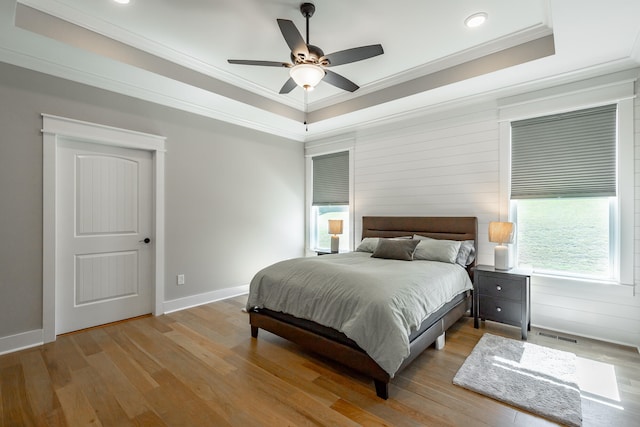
(315, 53)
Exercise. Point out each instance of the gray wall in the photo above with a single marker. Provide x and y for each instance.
(234, 197)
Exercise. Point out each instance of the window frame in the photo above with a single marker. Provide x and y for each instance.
(617, 88)
(319, 149)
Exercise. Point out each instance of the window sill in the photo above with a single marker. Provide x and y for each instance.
(604, 287)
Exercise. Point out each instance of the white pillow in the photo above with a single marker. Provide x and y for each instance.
(437, 250)
(368, 244)
(466, 253)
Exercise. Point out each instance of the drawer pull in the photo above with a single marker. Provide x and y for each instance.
(498, 287)
(498, 309)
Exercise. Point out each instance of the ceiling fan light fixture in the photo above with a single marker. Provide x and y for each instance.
(476, 19)
(307, 76)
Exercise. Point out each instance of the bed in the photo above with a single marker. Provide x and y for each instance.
(351, 341)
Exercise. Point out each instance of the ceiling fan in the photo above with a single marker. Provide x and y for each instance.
(309, 64)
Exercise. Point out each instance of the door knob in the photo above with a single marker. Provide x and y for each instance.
(145, 240)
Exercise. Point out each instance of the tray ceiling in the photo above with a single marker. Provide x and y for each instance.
(175, 52)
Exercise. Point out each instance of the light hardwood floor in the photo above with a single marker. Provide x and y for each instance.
(200, 367)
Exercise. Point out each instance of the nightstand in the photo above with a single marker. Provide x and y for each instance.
(323, 252)
(328, 251)
(502, 296)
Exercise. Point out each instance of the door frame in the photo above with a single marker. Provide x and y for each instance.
(55, 128)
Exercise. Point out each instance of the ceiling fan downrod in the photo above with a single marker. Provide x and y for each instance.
(307, 10)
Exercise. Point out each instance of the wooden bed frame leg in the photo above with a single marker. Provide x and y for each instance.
(254, 331)
(440, 342)
(382, 389)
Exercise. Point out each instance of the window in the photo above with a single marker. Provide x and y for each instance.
(564, 192)
(566, 236)
(330, 198)
(320, 216)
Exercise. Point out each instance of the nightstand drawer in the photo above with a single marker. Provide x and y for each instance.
(501, 310)
(501, 287)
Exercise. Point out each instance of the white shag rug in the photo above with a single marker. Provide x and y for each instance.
(538, 379)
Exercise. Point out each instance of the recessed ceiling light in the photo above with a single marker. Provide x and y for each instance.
(122, 1)
(476, 19)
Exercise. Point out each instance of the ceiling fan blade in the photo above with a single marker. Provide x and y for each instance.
(338, 81)
(262, 63)
(352, 55)
(288, 86)
(292, 37)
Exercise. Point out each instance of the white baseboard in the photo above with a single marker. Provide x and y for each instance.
(205, 298)
(21, 341)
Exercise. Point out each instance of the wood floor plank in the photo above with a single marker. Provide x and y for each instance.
(102, 401)
(128, 397)
(147, 419)
(177, 404)
(127, 362)
(295, 373)
(15, 404)
(86, 343)
(77, 409)
(41, 394)
(357, 414)
(144, 359)
(201, 367)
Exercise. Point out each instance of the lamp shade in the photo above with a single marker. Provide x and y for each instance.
(307, 76)
(501, 232)
(335, 226)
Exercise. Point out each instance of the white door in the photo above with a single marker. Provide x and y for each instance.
(104, 215)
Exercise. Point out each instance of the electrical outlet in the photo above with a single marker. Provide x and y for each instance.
(180, 279)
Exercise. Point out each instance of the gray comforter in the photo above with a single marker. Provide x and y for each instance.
(376, 302)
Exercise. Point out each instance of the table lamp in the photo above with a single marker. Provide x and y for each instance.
(501, 233)
(335, 228)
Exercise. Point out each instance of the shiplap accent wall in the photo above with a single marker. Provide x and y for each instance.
(446, 164)
(449, 163)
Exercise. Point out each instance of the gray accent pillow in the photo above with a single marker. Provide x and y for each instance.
(401, 249)
(369, 244)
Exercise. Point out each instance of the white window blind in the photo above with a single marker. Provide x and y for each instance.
(331, 179)
(565, 155)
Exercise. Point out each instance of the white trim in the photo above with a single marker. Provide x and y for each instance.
(204, 298)
(613, 88)
(353, 243)
(53, 128)
(557, 327)
(320, 148)
(158, 205)
(308, 201)
(505, 170)
(582, 94)
(328, 146)
(593, 288)
(21, 341)
(626, 191)
(101, 134)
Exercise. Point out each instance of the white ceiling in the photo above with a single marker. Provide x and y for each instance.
(175, 52)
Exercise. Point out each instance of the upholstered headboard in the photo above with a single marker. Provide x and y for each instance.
(436, 227)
